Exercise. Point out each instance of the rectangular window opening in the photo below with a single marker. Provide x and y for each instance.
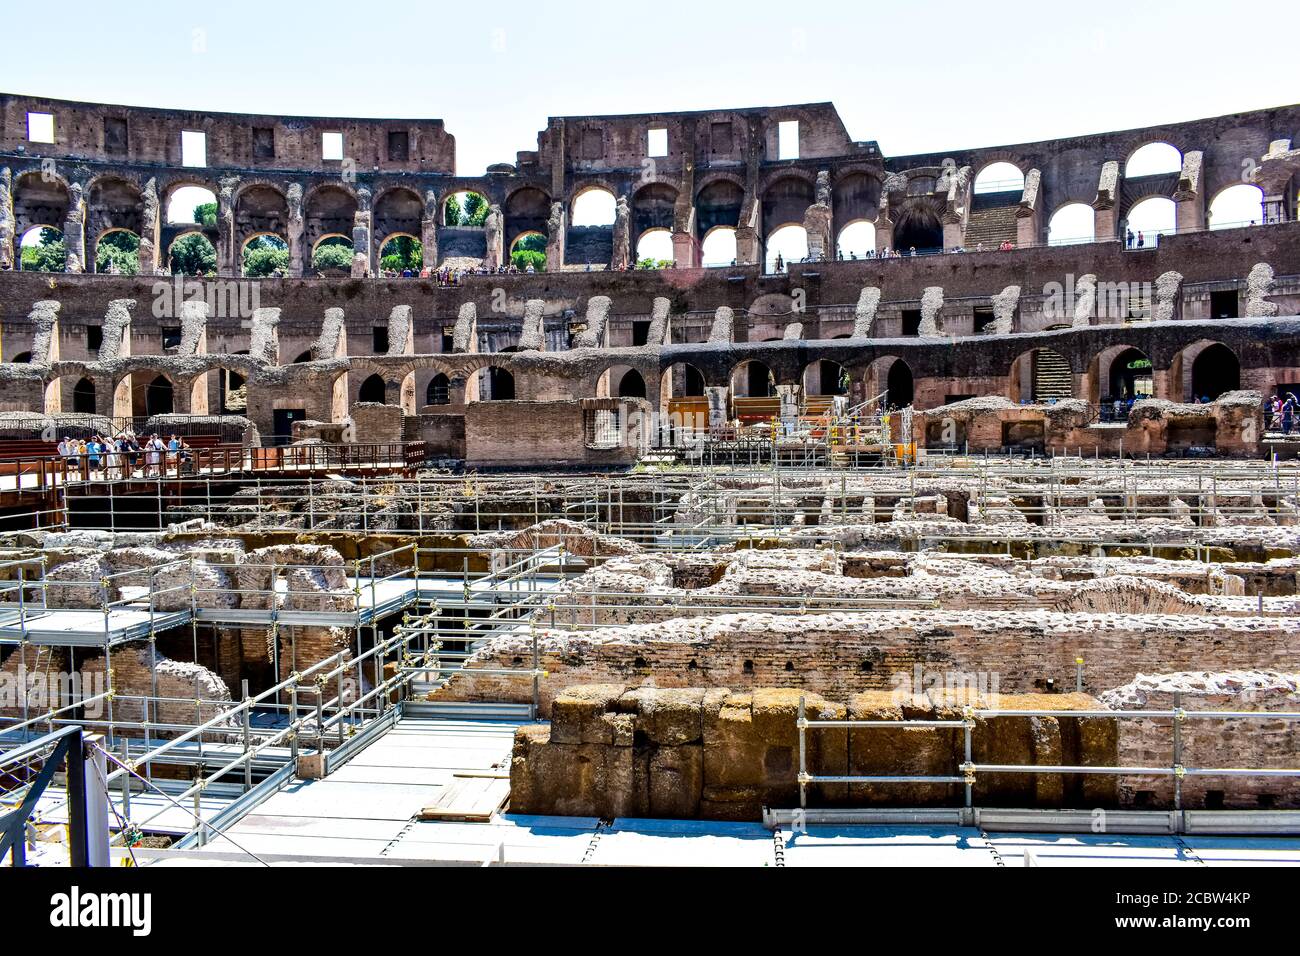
(331, 146)
(194, 148)
(40, 127)
(657, 142)
(787, 140)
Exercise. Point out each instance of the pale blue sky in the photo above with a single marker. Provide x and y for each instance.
(916, 76)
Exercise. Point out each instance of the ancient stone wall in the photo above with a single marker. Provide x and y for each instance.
(713, 753)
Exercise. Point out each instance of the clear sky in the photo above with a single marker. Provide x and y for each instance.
(915, 76)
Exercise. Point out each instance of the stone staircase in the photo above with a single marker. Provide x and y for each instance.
(992, 219)
(1052, 376)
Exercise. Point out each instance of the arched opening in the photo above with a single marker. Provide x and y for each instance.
(683, 380)
(22, 358)
(438, 391)
(999, 177)
(719, 247)
(1239, 205)
(752, 379)
(42, 250)
(899, 387)
(631, 385)
(117, 252)
(1130, 377)
(594, 206)
(918, 229)
(856, 240)
(302, 357)
(83, 397)
(332, 256)
(372, 390)
(265, 256)
(191, 205)
(496, 384)
(1153, 159)
(654, 250)
(159, 397)
(401, 253)
(465, 209)
(786, 244)
(528, 252)
(825, 377)
(1073, 222)
(1215, 370)
(192, 254)
(1041, 376)
(1148, 220)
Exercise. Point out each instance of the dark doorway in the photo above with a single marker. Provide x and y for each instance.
(898, 388)
(283, 422)
(83, 397)
(1223, 305)
(911, 322)
(1215, 371)
(631, 385)
(1130, 376)
(439, 390)
(372, 390)
(501, 385)
(158, 397)
(759, 377)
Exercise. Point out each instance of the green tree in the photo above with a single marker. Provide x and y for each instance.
(402, 252)
(451, 214)
(533, 242)
(475, 210)
(522, 258)
(120, 249)
(331, 254)
(206, 214)
(49, 254)
(193, 255)
(265, 256)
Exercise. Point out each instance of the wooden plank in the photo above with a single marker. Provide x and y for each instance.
(469, 799)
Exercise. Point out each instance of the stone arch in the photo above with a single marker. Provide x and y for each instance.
(101, 264)
(718, 247)
(260, 208)
(398, 210)
(592, 204)
(527, 209)
(785, 200)
(372, 389)
(655, 244)
(1153, 158)
(83, 396)
(998, 175)
(330, 239)
(1208, 369)
(718, 202)
(824, 377)
(752, 379)
(46, 235)
(329, 209)
(39, 199)
(1121, 372)
(438, 391)
(1240, 204)
(856, 239)
(1152, 217)
(1071, 223)
(789, 243)
(1040, 376)
(171, 262)
(403, 247)
(653, 208)
(271, 238)
(855, 197)
(494, 383)
(168, 199)
(918, 226)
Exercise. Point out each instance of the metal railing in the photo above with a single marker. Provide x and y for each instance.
(968, 771)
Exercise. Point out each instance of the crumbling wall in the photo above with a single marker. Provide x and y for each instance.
(184, 693)
(713, 753)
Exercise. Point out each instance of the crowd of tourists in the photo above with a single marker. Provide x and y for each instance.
(126, 456)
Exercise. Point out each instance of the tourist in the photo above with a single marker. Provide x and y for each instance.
(93, 449)
(173, 453)
(780, 263)
(1128, 238)
(1288, 413)
(1142, 240)
(112, 461)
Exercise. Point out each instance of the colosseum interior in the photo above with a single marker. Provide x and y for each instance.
(956, 518)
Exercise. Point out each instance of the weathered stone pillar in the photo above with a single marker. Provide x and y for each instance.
(7, 225)
(361, 253)
(1189, 203)
(494, 237)
(228, 263)
(149, 228)
(429, 229)
(1105, 223)
(817, 220)
(297, 254)
(74, 231)
(555, 237)
(1029, 220)
(686, 251)
(622, 251)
